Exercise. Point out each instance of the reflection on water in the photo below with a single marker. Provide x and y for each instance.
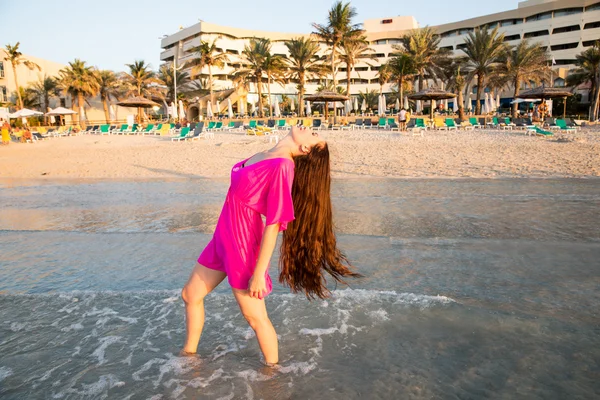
(472, 289)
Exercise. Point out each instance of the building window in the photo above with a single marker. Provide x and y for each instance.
(375, 67)
(565, 62)
(593, 7)
(565, 46)
(382, 41)
(394, 41)
(567, 11)
(589, 43)
(361, 69)
(461, 46)
(564, 29)
(448, 47)
(230, 51)
(539, 17)
(3, 96)
(559, 82)
(387, 21)
(592, 25)
(536, 34)
(465, 31)
(509, 22)
(1, 69)
(512, 37)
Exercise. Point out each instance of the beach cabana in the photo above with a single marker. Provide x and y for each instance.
(544, 93)
(138, 102)
(432, 94)
(326, 96)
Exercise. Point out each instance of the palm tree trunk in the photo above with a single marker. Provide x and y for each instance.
(80, 103)
(401, 91)
(596, 101)
(515, 106)
(260, 102)
(479, 90)
(460, 100)
(105, 105)
(19, 99)
(301, 93)
(210, 86)
(269, 89)
(348, 71)
(46, 106)
(333, 66)
(74, 117)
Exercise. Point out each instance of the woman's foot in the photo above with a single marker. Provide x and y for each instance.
(184, 353)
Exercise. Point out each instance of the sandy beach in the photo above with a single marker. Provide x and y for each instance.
(355, 154)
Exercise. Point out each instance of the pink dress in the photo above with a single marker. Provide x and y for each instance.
(263, 188)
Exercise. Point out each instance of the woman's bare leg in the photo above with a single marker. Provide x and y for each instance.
(202, 281)
(255, 312)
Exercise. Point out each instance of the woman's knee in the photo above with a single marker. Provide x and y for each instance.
(191, 296)
(256, 321)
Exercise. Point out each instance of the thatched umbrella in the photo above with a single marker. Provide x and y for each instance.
(432, 94)
(544, 93)
(326, 96)
(139, 102)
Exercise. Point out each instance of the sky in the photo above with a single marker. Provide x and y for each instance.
(111, 33)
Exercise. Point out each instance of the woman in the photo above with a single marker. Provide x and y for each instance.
(288, 184)
(5, 132)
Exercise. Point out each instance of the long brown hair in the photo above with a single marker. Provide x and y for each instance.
(309, 245)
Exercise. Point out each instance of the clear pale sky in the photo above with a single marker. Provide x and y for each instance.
(111, 33)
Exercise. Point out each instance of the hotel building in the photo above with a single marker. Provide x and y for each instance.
(564, 27)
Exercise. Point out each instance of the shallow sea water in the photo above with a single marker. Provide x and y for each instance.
(472, 289)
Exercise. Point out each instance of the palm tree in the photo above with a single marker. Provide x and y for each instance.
(339, 28)
(383, 76)
(524, 62)
(44, 89)
(454, 76)
(108, 85)
(422, 47)
(275, 68)
(142, 81)
(484, 50)
(29, 97)
(303, 63)
(370, 97)
(79, 81)
(16, 58)
(588, 70)
(353, 50)
(165, 74)
(254, 55)
(402, 69)
(209, 56)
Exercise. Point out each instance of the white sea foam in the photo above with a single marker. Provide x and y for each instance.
(297, 368)
(200, 382)
(176, 365)
(72, 327)
(5, 372)
(379, 315)
(104, 343)
(17, 326)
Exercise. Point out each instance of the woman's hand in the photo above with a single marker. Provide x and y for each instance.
(257, 287)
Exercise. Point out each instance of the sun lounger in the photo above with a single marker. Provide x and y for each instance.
(358, 124)
(392, 125)
(316, 124)
(105, 129)
(494, 123)
(540, 132)
(382, 123)
(198, 132)
(562, 124)
(368, 123)
(450, 125)
(550, 124)
(182, 135)
(474, 123)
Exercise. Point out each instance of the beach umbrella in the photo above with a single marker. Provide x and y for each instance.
(174, 111)
(363, 106)
(52, 120)
(348, 107)
(181, 110)
(229, 109)
(139, 102)
(406, 104)
(209, 112)
(241, 110)
(397, 105)
(455, 106)
(24, 113)
(418, 107)
(112, 115)
(82, 117)
(544, 93)
(276, 110)
(497, 100)
(253, 108)
(486, 101)
(60, 111)
(431, 94)
(383, 104)
(468, 102)
(292, 105)
(326, 96)
(356, 104)
(308, 109)
(218, 109)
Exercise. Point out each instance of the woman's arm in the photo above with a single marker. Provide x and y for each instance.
(257, 285)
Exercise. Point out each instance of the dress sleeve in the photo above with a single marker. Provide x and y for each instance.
(280, 207)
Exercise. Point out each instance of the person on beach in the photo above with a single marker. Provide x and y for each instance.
(5, 132)
(290, 186)
(402, 119)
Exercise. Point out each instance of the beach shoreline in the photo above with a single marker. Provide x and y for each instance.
(372, 154)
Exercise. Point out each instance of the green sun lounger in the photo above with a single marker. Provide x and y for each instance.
(473, 121)
(450, 124)
(540, 132)
(562, 124)
(182, 135)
